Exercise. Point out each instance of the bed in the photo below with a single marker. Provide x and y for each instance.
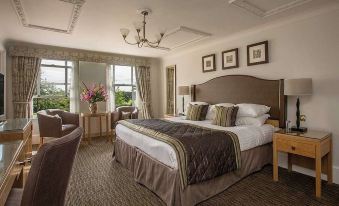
(154, 163)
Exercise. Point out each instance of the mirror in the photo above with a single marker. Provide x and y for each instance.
(171, 90)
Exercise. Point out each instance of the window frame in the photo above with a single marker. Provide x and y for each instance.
(133, 84)
(67, 83)
(66, 67)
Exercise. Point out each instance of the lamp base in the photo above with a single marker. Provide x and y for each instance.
(300, 129)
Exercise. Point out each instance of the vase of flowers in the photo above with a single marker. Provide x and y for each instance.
(92, 95)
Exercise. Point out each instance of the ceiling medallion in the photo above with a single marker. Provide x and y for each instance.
(141, 40)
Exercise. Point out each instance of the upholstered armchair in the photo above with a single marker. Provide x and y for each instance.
(56, 123)
(123, 112)
(49, 175)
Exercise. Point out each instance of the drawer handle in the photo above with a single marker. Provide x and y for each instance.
(293, 147)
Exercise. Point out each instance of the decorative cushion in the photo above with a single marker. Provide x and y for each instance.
(57, 116)
(225, 116)
(126, 115)
(196, 112)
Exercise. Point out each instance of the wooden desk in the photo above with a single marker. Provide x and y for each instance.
(312, 150)
(97, 115)
(15, 147)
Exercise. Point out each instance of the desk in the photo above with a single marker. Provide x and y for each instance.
(312, 150)
(15, 147)
(97, 115)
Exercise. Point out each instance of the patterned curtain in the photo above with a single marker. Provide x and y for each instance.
(25, 72)
(143, 78)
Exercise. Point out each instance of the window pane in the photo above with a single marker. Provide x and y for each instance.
(53, 62)
(69, 75)
(123, 96)
(52, 89)
(123, 75)
(52, 75)
(50, 103)
(70, 64)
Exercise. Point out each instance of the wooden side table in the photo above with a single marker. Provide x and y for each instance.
(97, 115)
(308, 150)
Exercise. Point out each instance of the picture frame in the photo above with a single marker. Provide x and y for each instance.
(257, 53)
(230, 59)
(208, 63)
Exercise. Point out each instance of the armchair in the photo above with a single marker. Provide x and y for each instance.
(117, 114)
(56, 123)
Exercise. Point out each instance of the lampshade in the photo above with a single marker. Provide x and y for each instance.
(184, 90)
(298, 87)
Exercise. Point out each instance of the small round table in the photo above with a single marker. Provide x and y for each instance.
(96, 115)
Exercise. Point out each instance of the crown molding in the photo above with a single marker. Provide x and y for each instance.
(74, 17)
(250, 7)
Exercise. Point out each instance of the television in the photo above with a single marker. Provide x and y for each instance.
(2, 95)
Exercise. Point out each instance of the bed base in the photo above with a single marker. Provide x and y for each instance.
(165, 181)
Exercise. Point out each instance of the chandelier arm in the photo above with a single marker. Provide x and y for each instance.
(130, 43)
(156, 42)
(153, 46)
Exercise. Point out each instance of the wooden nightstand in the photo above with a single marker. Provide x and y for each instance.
(308, 150)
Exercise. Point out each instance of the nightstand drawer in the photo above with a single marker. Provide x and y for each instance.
(295, 147)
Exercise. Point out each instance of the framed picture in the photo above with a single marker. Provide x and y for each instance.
(257, 53)
(208, 63)
(230, 59)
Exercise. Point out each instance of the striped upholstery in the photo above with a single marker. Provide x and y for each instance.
(196, 112)
(225, 116)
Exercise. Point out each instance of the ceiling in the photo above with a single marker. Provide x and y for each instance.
(95, 24)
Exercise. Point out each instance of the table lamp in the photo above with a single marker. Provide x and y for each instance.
(298, 87)
(184, 90)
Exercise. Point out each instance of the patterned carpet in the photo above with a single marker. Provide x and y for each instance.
(97, 180)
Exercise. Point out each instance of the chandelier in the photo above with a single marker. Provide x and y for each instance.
(141, 39)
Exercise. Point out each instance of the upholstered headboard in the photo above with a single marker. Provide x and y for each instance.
(244, 89)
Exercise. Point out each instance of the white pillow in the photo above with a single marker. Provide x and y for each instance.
(256, 121)
(252, 110)
(211, 110)
(225, 104)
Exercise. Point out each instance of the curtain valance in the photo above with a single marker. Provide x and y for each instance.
(60, 53)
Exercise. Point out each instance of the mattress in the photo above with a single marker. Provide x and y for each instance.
(249, 137)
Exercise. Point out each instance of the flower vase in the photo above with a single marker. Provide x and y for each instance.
(93, 108)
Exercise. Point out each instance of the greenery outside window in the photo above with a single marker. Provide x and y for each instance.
(124, 85)
(53, 86)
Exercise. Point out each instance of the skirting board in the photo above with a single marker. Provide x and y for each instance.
(305, 171)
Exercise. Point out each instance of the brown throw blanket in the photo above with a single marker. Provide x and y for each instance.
(202, 153)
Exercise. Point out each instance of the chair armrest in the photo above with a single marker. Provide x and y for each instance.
(49, 126)
(114, 119)
(70, 118)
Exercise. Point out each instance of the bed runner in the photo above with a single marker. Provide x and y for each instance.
(202, 153)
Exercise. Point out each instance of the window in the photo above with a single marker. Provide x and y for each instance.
(53, 86)
(124, 85)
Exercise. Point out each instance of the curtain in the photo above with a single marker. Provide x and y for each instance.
(74, 90)
(25, 72)
(143, 79)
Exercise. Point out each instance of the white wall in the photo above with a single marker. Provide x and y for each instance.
(303, 47)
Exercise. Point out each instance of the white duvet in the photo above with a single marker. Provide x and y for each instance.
(249, 137)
